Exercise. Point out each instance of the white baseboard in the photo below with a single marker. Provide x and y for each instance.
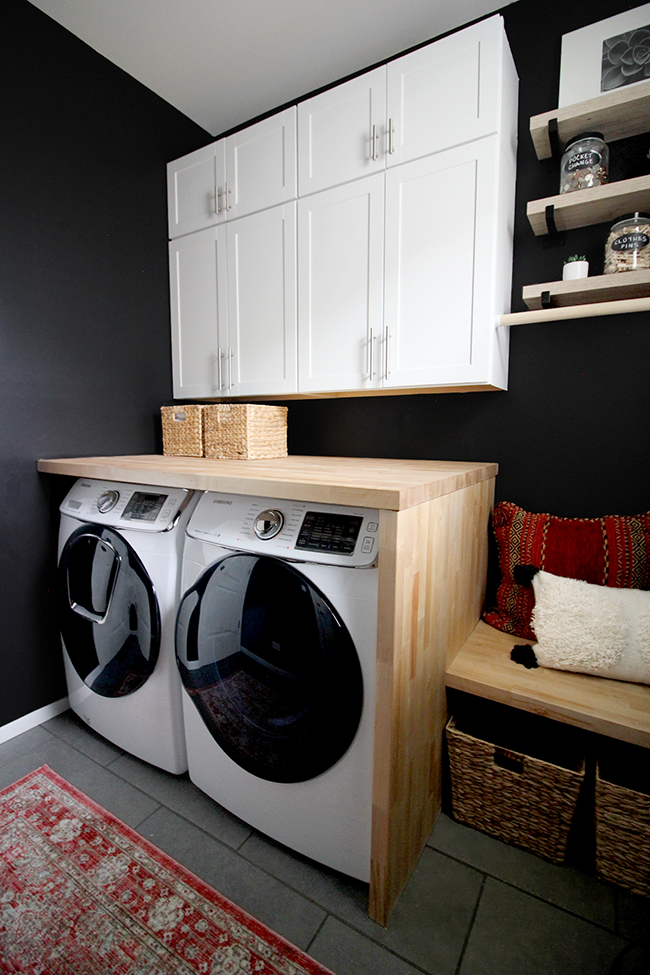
(29, 721)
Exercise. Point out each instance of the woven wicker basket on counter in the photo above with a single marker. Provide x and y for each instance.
(182, 428)
(623, 817)
(518, 798)
(225, 431)
(244, 431)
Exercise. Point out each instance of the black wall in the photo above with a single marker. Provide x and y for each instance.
(84, 322)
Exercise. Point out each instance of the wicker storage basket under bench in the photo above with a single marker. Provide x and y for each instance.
(623, 816)
(516, 776)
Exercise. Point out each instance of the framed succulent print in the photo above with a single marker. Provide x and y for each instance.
(601, 57)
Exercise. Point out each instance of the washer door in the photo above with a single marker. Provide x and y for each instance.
(108, 612)
(270, 667)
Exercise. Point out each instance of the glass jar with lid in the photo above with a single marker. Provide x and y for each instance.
(585, 162)
(628, 244)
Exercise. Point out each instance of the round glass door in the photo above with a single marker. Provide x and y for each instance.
(108, 612)
(270, 666)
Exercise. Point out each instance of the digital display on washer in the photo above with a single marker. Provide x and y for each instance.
(322, 532)
(143, 507)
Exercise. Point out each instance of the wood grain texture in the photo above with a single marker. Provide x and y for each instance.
(600, 287)
(432, 570)
(583, 208)
(617, 114)
(597, 309)
(371, 483)
(609, 707)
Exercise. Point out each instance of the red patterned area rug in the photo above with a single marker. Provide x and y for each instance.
(82, 894)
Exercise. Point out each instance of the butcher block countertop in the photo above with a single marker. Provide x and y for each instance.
(387, 484)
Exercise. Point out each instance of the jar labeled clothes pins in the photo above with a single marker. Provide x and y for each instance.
(585, 162)
(628, 244)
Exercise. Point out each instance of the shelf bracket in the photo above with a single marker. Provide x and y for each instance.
(549, 213)
(554, 139)
(546, 299)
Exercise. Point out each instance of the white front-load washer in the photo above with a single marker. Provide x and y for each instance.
(276, 639)
(120, 552)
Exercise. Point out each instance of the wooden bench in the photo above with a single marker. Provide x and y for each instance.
(608, 707)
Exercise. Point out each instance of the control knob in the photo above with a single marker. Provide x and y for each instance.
(268, 523)
(107, 501)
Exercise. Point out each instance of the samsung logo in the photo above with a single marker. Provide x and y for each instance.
(220, 501)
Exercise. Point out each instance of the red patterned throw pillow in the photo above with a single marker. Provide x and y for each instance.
(609, 551)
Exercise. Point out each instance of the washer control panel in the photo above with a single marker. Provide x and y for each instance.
(135, 506)
(300, 530)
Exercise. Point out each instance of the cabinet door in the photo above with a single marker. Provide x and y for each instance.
(197, 265)
(446, 93)
(441, 239)
(261, 165)
(192, 199)
(260, 355)
(340, 133)
(340, 267)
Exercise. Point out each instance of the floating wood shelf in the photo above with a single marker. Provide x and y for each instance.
(617, 114)
(584, 291)
(582, 208)
(609, 707)
(595, 310)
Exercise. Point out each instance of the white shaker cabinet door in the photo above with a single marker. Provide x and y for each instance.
(446, 93)
(193, 200)
(197, 265)
(340, 281)
(442, 256)
(260, 355)
(261, 165)
(341, 133)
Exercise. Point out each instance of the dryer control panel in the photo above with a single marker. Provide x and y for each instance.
(325, 533)
(138, 507)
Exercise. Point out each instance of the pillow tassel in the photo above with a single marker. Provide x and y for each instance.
(524, 654)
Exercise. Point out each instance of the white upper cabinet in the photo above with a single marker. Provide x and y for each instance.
(260, 354)
(340, 133)
(439, 96)
(340, 260)
(444, 254)
(446, 93)
(199, 309)
(392, 268)
(248, 171)
(261, 165)
(233, 307)
(192, 183)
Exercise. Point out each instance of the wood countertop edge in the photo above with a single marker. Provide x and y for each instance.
(362, 482)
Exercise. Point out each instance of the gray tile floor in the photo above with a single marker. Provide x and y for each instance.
(473, 906)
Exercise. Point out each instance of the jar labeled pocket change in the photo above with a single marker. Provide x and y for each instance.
(628, 244)
(585, 162)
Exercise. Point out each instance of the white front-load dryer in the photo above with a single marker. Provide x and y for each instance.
(120, 553)
(276, 640)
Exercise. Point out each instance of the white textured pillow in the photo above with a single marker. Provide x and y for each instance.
(592, 629)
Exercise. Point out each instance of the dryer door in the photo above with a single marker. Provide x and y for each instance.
(270, 667)
(108, 611)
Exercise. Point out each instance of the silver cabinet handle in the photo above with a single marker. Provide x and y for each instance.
(371, 368)
(228, 205)
(386, 340)
(373, 154)
(391, 133)
(218, 208)
(229, 368)
(219, 380)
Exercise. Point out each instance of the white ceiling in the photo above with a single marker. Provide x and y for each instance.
(223, 62)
